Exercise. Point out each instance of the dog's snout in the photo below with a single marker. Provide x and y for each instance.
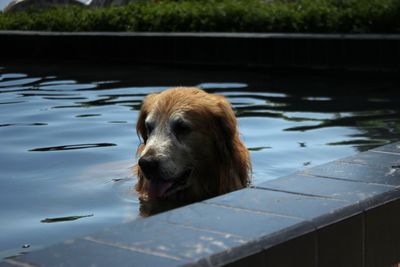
(149, 165)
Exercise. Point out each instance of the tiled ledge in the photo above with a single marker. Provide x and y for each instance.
(343, 213)
(276, 50)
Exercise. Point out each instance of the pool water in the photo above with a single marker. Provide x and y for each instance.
(68, 137)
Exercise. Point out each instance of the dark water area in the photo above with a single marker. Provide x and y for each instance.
(68, 137)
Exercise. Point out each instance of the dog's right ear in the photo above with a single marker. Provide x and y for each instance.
(147, 103)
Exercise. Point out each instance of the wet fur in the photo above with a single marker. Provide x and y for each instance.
(221, 163)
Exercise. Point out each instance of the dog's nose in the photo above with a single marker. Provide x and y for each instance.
(149, 165)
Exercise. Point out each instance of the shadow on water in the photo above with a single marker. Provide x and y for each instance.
(81, 118)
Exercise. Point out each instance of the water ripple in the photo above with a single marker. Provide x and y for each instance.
(71, 147)
(12, 102)
(58, 82)
(221, 85)
(68, 87)
(12, 76)
(24, 124)
(17, 82)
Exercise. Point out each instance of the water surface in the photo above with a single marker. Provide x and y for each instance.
(68, 136)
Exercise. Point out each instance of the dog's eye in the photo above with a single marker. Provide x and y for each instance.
(180, 128)
(149, 127)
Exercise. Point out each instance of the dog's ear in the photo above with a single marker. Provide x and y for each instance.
(226, 124)
(233, 153)
(147, 103)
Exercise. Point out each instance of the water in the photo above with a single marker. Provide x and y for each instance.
(68, 136)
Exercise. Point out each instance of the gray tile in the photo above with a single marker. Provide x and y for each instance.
(377, 159)
(240, 222)
(393, 148)
(262, 230)
(325, 187)
(85, 253)
(319, 210)
(342, 243)
(357, 172)
(155, 236)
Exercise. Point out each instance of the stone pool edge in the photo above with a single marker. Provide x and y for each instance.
(343, 213)
(366, 52)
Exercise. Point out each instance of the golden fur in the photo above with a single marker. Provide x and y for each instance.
(218, 160)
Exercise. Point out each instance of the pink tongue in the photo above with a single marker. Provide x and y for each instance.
(158, 189)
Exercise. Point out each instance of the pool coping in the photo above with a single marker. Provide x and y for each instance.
(365, 52)
(343, 213)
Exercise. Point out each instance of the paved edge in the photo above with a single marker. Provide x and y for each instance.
(370, 52)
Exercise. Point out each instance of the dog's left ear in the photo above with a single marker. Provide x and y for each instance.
(226, 122)
(232, 150)
(144, 111)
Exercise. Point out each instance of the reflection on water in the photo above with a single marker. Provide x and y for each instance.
(68, 137)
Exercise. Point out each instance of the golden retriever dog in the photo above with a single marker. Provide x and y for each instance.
(190, 147)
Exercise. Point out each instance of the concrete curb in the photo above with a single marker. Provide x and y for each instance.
(372, 52)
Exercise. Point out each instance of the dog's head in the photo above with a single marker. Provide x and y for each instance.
(190, 147)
